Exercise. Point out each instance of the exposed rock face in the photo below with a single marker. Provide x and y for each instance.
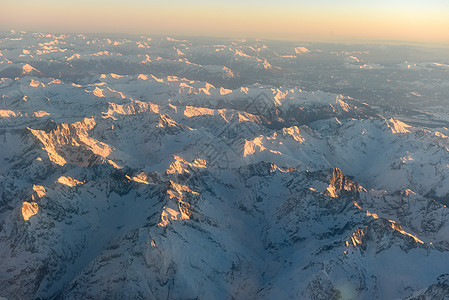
(339, 183)
(29, 209)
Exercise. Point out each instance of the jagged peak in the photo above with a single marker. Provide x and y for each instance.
(180, 165)
(175, 190)
(228, 72)
(375, 231)
(176, 208)
(29, 209)
(251, 146)
(398, 228)
(27, 69)
(133, 108)
(294, 133)
(69, 181)
(106, 92)
(339, 183)
(39, 190)
(166, 121)
(36, 83)
(141, 177)
(248, 117)
(224, 91)
(192, 111)
(56, 136)
(397, 126)
(301, 50)
(6, 113)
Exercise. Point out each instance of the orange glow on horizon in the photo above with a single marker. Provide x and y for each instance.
(220, 20)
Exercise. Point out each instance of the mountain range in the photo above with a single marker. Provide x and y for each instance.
(153, 168)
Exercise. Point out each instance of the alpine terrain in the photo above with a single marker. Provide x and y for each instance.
(136, 167)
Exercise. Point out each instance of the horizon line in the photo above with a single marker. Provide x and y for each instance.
(235, 36)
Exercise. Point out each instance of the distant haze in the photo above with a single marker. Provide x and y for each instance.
(319, 20)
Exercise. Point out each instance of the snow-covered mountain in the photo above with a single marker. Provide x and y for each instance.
(162, 168)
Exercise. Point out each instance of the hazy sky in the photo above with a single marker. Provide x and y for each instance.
(316, 20)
